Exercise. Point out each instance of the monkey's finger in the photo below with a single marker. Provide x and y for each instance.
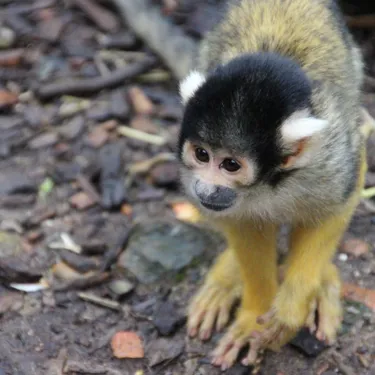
(207, 324)
(253, 354)
(310, 321)
(223, 316)
(266, 318)
(194, 322)
(227, 351)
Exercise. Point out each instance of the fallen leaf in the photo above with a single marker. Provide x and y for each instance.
(358, 294)
(126, 209)
(185, 211)
(7, 99)
(141, 103)
(81, 201)
(161, 350)
(144, 124)
(355, 247)
(126, 344)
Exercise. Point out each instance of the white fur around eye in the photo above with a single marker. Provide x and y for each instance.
(191, 84)
(295, 129)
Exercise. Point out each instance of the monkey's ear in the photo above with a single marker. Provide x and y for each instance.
(191, 84)
(296, 129)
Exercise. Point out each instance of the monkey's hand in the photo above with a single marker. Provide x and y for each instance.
(214, 300)
(238, 336)
(323, 317)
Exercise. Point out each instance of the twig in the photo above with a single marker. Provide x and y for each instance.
(100, 301)
(86, 185)
(127, 131)
(146, 21)
(89, 86)
(83, 283)
(144, 166)
(339, 360)
(98, 14)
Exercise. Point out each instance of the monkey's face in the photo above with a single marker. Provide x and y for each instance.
(248, 127)
(213, 178)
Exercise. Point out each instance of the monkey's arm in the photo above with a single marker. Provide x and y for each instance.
(255, 249)
(175, 48)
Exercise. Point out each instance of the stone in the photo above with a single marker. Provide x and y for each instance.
(156, 248)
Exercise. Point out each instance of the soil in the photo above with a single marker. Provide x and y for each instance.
(66, 168)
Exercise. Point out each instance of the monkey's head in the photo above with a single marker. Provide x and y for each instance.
(248, 125)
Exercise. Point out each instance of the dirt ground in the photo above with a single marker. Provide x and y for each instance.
(72, 180)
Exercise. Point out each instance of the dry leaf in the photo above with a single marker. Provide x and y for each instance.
(358, 294)
(185, 211)
(81, 201)
(355, 247)
(127, 344)
(7, 99)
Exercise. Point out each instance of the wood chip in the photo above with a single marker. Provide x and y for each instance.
(358, 294)
(141, 103)
(185, 211)
(82, 201)
(127, 344)
(355, 247)
(105, 302)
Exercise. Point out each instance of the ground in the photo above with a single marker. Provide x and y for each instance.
(67, 166)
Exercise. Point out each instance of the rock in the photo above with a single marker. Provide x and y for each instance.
(119, 106)
(10, 301)
(121, 287)
(65, 172)
(80, 263)
(50, 29)
(127, 345)
(166, 318)
(165, 175)
(161, 350)
(308, 344)
(43, 140)
(14, 182)
(111, 176)
(9, 122)
(73, 128)
(10, 244)
(156, 248)
(7, 37)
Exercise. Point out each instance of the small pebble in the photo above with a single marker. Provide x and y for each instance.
(343, 257)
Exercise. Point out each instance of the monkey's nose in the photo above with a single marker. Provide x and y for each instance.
(216, 197)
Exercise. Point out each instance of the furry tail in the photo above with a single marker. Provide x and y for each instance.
(174, 48)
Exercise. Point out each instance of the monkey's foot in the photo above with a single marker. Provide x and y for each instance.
(327, 307)
(238, 336)
(212, 303)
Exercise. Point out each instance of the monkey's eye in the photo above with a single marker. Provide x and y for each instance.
(230, 165)
(202, 155)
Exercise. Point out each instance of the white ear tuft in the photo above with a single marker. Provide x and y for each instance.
(295, 129)
(191, 84)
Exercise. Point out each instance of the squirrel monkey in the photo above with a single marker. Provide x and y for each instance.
(271, 134)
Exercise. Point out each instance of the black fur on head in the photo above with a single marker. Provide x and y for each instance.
(241, 106)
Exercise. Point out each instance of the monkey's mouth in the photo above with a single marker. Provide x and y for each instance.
(216, 207)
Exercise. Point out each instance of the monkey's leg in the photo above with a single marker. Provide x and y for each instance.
(328, 307)
(312, 249)
(214, 300)
(255, 248)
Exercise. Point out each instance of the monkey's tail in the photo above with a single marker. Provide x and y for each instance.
(165, 39)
